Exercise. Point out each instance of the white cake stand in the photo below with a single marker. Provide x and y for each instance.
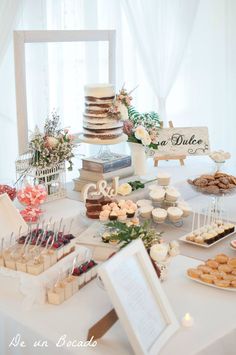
(104, 152)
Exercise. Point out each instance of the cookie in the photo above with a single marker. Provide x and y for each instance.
(225, 268)
(232, 262)
(208, 278)
(233, 283)
(194, 273)
(205, 269)
(221, 283)
(212, 263)
(221, 258)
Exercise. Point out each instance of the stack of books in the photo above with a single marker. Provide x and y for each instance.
(94, 170)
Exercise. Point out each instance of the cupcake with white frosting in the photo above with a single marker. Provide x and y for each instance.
(184, 206)
(157, 195)
(146, 211)
(142, 203)
(174, 214)
(159, 215)
(172, 194)
(163, 179)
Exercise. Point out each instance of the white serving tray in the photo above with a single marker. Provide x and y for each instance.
(212, 285)
(183, 239)
(10, 218)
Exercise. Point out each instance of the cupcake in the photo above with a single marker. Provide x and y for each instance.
(185, 208)
(172, 194)
(157, 195)
(113, 216)
(209, 239)
(141, 203)
(130, 212)
(106, 208)
(163, 179)
(174, 214)
(146, 211)
(104, 216)
(113, 204)
(159, 215)
(121, 203)
(154, 187)
(135, 221)
(122, 215)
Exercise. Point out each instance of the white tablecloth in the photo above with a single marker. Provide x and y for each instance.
(214, 312)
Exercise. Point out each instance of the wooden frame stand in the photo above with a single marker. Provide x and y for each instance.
(181, 158)
(103, 325)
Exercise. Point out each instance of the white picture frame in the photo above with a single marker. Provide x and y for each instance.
(49, 36)
(153, 321)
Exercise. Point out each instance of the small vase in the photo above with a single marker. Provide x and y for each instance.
(139, 158)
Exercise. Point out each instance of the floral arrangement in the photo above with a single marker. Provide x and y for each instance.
(52, 147)
(142, 128)
(122, 101)
(124, 234)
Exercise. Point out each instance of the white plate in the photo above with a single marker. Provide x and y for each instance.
(10, 218)
(183, 239)
(232, 248)
(211, 285)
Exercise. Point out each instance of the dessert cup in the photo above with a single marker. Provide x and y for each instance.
(35, 267)
(74, 283)
(159, 215)
(146, 211)
(163, 179)
(172, 195)
(157, 195)
(56, 295)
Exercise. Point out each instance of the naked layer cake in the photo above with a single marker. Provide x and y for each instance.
(98, 122)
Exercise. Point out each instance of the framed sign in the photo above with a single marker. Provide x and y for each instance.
(138, 299)
(183, 141)
(50, 36)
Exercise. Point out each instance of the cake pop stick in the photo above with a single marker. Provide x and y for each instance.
(70, 226)
(193, 221)
(198, 222)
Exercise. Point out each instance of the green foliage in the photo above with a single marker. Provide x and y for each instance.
(137, 184)
(125, 234)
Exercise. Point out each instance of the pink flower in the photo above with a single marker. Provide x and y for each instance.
(128, 127)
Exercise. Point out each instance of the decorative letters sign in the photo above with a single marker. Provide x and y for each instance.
(101, 188)
(183, 140)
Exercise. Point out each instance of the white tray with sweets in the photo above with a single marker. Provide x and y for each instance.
(204, 244)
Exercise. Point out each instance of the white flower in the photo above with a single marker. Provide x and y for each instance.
(140, 132)
(146, 140)
(174, 244)
(174, 251)
(52, 142)
(158, 252)
(124, 189)
(123, 111)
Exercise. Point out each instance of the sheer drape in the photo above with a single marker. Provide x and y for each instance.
(202, 94)
(9, 14)
(161, 29)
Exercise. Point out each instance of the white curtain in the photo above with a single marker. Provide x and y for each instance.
(9, 14)
(161, 29)
(202, 93)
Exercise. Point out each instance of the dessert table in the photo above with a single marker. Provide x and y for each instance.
(213, 309)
